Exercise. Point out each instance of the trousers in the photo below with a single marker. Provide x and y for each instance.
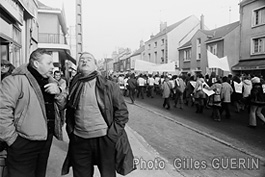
(85, 153)
(27, 158)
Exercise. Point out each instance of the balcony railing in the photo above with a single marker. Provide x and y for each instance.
(51, 38)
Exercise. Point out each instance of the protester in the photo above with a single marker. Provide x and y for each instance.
(257, 103)
(132, 83)
(121, 82)
(237, 95)
(247, 86)
(180, 86)
(141, 82)
(166, 87)
(189, 92)
(150, 86)
(198, 93)
(216, 99)
(6, 69)
(125, 81)
(30, 104)
(96, 117)
(226, 93)
(156, 85)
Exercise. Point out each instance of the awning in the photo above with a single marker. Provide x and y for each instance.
(250, 65)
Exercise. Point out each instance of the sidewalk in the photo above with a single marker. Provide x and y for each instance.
(150, 163)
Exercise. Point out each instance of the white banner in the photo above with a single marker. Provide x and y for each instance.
(141, 65)
(215, 62)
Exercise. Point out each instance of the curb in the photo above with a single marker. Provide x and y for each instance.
(262, 159)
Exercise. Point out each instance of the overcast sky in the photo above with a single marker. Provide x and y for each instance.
(110, 24)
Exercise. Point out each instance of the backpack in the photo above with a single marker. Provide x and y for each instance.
(217, 96)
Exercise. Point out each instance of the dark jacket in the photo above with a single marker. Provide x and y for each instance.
(132, 83)
(257, 97)
(115, 114)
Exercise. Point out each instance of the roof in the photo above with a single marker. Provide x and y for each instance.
(138, 52)
(169, 28)
(216, 33)
(221, 31)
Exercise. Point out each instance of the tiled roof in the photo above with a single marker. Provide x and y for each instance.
(169, 28)
(186, 44)
(220, 32)
(139, 51)
(215, 33)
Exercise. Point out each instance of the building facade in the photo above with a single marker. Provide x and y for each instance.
(18, 30)
(252, 38)
(163, 47)
(223, 41)
(52, 36)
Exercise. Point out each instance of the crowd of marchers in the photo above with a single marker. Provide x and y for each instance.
(241, 93)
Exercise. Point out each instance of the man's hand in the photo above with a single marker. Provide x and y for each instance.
(52, 88)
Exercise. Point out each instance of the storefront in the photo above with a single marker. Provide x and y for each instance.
(254, 67)
(18, 32)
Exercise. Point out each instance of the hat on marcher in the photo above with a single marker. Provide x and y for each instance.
(255, 80)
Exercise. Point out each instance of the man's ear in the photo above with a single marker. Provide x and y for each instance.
(36, 64)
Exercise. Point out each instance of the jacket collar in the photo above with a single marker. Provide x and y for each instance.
(23, 70)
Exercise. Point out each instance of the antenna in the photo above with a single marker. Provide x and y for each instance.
(229, 14)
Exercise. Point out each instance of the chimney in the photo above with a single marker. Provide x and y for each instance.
(202, 22)
(163, 26)
(151, 36)
(141, 43)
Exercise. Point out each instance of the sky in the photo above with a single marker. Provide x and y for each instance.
(111, 24)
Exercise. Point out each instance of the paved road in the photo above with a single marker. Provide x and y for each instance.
(233, 131)
(191, 139)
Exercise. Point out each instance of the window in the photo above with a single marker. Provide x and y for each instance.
(259, 16)
(187, 55)
(149, 46)
(155, 44)
(162, 41)
(162, 55)
(155, 56)
(213, 49)
(149, 57)
(258, 45)
(198, 51)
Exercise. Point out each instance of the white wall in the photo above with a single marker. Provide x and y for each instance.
(179, 36)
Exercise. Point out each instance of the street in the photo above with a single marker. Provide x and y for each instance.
(188, 143)
(178, 140)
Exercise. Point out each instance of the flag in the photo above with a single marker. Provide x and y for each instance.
(215, 62)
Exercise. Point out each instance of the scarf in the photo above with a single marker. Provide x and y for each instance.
(77, 86)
